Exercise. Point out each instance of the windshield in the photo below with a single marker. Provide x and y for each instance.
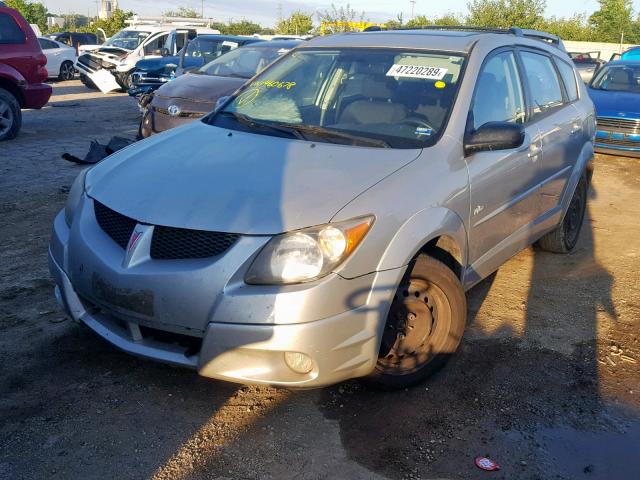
(619, 78)
(244, 62)
(127, 39)
(399, 99)
(209, 49)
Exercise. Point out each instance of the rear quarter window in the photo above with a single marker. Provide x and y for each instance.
(10, 31)
(569, 79)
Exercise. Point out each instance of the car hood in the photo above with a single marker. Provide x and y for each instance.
(615, 104)
(208, 178)
(154, 64)
(199, 87)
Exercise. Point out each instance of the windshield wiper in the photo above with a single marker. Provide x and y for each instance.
(251, 123)
(323, 132)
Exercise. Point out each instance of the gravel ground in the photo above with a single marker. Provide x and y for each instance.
(547, 380)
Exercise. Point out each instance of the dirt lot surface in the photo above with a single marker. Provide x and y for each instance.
(547, 380)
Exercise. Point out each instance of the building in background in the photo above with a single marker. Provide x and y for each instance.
(55, 23)
(107, 8)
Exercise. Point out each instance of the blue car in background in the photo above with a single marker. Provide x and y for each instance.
(631, 54)
(152, 73)
(615, 91)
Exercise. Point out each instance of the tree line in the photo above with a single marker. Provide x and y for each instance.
(614, 21)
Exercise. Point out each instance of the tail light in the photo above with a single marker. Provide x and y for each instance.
(42, 73)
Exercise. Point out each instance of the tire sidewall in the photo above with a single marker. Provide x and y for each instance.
(61, 76)
(436, 272)
(581, 188)
(6, 96)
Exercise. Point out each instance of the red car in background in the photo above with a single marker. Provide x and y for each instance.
(22, 71)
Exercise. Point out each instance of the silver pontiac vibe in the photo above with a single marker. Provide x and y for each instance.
(325, 221)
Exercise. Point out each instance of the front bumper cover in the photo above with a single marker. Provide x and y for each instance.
(342, 346)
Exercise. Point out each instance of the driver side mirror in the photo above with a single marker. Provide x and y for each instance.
(494, 136)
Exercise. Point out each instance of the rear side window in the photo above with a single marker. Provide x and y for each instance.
(47, 44)
(498, 96)
(544, 83)
(10, 32)
(569, 79)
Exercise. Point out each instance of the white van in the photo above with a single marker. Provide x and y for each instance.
(109, 67)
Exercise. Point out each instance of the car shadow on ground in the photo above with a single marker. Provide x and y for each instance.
(534, 370)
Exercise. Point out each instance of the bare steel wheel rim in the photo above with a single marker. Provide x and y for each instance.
(6, 117)
(67, 71)
(417, 327)
(574, 216)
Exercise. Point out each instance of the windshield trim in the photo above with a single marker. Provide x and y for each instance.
(209, 118)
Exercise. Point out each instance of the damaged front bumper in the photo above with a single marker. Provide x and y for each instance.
(201, 315)
(104, 69)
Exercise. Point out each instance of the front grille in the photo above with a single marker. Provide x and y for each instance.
(167, 243)
(617, 142)
(179, 243)
(621, 125)
(114, 224)
(89, 62)
(182, 114)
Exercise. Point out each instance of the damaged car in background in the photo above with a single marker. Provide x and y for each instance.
(195, 94)
(151, 73)
(109, 67)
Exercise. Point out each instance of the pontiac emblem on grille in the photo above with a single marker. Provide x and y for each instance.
(133, 241)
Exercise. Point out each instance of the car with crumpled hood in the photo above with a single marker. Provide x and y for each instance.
(325, 221)
(193, 95)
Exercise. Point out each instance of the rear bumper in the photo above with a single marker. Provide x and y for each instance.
(36, 95)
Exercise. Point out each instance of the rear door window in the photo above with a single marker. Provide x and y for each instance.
(10, 32)
(544, 84)
(47, 44)
(569, 79)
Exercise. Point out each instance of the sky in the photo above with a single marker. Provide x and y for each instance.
(265, 12)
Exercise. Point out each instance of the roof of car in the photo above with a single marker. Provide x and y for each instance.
(229, 37)
(452, 40)
(623, 62)
(280, 43)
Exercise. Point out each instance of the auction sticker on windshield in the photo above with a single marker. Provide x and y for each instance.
(417, 71)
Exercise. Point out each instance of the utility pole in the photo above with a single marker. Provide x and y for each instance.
(202, 14)
(413, 8)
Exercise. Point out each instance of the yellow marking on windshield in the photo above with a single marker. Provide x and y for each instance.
(275, 84)
(248, 97)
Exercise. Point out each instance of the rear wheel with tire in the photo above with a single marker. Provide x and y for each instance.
(10, 115)
(67, 72)
(424, 326)
(565, 236)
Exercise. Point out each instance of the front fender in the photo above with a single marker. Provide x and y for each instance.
(419, 230)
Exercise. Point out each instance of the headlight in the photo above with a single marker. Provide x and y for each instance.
(307, 254)
(75, 195)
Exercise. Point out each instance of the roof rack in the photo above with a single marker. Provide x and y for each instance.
(518, 32)
(169, 21)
